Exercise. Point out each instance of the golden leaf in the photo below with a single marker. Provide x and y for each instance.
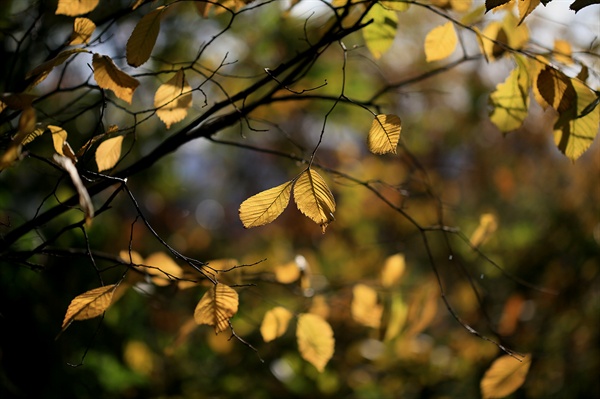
(132, 257)
(315, 340)
(555, 90)
(379, 35)
(393, 269)
(487, 226)
(217, 306)
(422, 308)
(314, 199)
(59, 138)
(504, 376)
(395, 5)
(173, 99)
(365, 309)
(440, 42)
(37, 132)
(491, 40)
(474, 16)
(562, 52)
(41, 72)
(510, 100)
(73, 8)
(287, 273)
(266, 206)
(143, 38)
(384, 134)
(84, 198)
(109, 77)
(88, 305)
(319, 306)
(108, 153)
(397, 318)
(162, 268)
(26, 127)
(275, 323)
(525, 8)
(83, 29)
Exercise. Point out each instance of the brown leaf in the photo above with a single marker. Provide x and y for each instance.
(143, 38)
(83, 29)
(108, 76)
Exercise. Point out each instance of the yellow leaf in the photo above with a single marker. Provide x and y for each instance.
(379, 35)
(41, 72)
(562, 52)
(397, 318)
(319, 306)
(487, 226)
(266, 206)
(474, 16)
(518, 35)
(216, 307)
(83, 29)
(314, 199)
(37, 132)
(526, 7)
(504, 376)
(384, 134)
(84, 198)
(143, 38)
(440, 42)
(315, 340)
(491, 39)
(461, 5)
(139, 357)
(59, 138)
(393, 269)
(422, 308)
(173, 99)
(132, 257)
(109, 77)
(108, 153)
(556, 89)
(73, 8)
(88, 305)
(275, 323)
(365, 309)
(162, 268)
(510, 100)
(287, 273)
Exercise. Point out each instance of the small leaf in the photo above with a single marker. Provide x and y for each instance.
(85, 202)
(275, 323)
(108, 153)
(173, 99)
(525, 8)
(162, 268)
(287, 273)
(41, 72)
(59, 138)
(143, 38)
(384, 134)
(393, 269)
(217, 306)
(504, 376)
(266, 206)
(109, 77)
(397, 318)
(132, 257)
(88, 305)
(487, 226)
(380, 34)
(440, 42)
(74, 8)
(365, 309)
(510, 100)
(83, 29)
(315, 340)
(422, 308)
(26, 127)
(314, 199)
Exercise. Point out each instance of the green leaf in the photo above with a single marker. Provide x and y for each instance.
(315, 340)
(511, 99)
(379, 35)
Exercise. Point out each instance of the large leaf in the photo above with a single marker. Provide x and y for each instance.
(74, 8)
(143, 38)
(90, 304)
(108, 153)
(365, 309)
(41, 72)
(217, 306)
(379, 35)
(83, 29)
(266, 206)
(314, 199)
(173, 99)
(85, 202)
(510, 100)
(440, 42)
(315, 340)
(526, 7)
(275, 323)
(108, 76)
(504, 376)
(384, 134)
(555, 89)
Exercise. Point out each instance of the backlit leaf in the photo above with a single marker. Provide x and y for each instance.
(384, 134)
(556, 89)
(162, 268)
(397, 318)
(365, 309)
(266, 206)
(491, 39)
(287, 273)
(108, 76)
(440, 42)
(41, 72)
(27, 121)
(275, 323)
(90, 304)
(510, 100)
(59, 138)
(143, 38)
(315, 340)
(562, 52)
(314, 199)
(380, 34)
(393, 269)
(217, 306)
(83, 29)
(108, 153)
(85, 202)
(132, 257)
(422, 308)
(504, 376)
(487, 226)
(173, 99)
(37, 132)
(526, 7)
(74, 8)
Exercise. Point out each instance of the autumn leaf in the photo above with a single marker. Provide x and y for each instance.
(393, 269)
(74, 8)
(132, 257)
(266, 206)
(85, 202)
(314, 199)
(422, 308)
(504, 376)
(287, 273)
(83, 29)
(315, 340)
(173, 99)
(562, 52)
(365, 309)
(109, 77)
(440, 42)
(379, 35)
(26, 126)
(525, 8)
(41, 72)
(384, 134)
(487, 226)
(143, 38)
(59, 138)
(555, 90)
(88, 305)
(491, 41)
(217, 306)
(275, 323)
(397, 317)
(162, 268)
(108, 153)
(510, 100)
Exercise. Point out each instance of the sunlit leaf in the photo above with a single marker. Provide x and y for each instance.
(275, 323)
(474, 16)
(504, 376)
(380, 34)
(108, 76)
(162, 268)
(74, 8)
(90, 304)
(487, 226)
(562, 52)
(518, 35)
(287, 273)
(556, 89)
(395, 5)
(266, 206)
(85, 202)
(491, 40)
(461, 5)
(217, 306)
(37, 132)
(41, 72)
(59, 138)
(440, 42)
(137, 4)
(393, 269)
(397, 318)
(525, 8)
(510, 100)
(314, 199)
(365, 309)
(108, 153)
(83, 29)
(173, 99)
(315, 340)
(132, 257)
(319, 306)
(384, 134)
(143, 38)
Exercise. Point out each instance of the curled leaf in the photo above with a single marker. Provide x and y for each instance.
(108, 76)
(85, 202)
(143, 38)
